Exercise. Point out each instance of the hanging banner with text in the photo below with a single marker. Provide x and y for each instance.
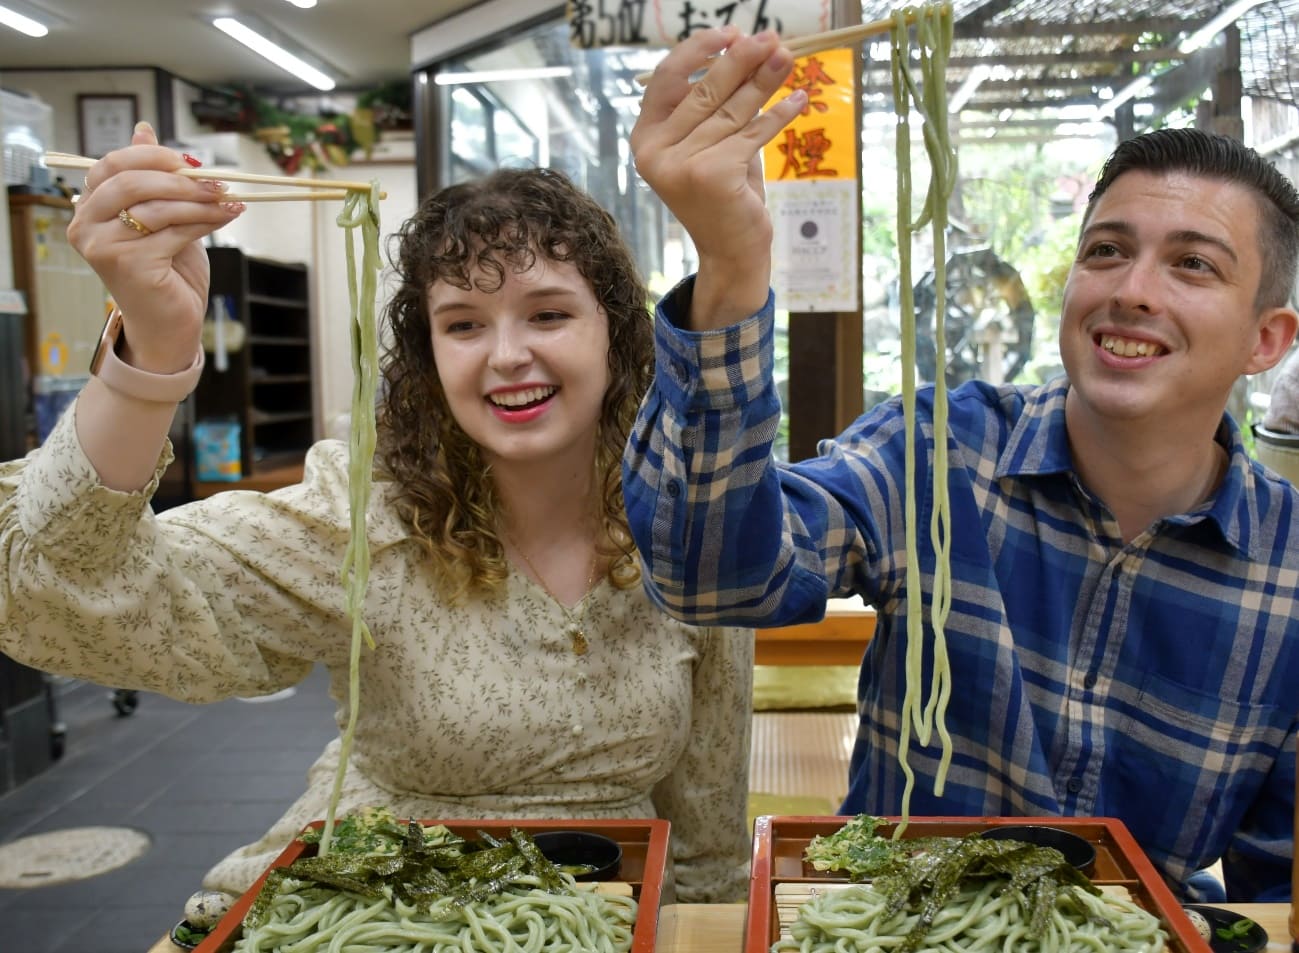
(594, 23)
(812, 190)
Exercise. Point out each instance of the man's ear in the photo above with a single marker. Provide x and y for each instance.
(1274, 334)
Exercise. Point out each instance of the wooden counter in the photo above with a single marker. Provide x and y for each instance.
(838, 639)
(262, 480)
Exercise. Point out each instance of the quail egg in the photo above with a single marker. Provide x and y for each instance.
(205, 908)
(1200, 923)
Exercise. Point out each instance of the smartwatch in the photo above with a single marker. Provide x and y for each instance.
(142, 385)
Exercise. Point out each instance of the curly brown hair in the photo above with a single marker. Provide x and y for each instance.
(481, 228)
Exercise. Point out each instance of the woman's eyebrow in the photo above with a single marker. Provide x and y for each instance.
(551, 291)
(450, 306)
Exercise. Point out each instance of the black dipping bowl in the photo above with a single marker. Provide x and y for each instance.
(1249, 939)
(1077, 851)
(567, 849)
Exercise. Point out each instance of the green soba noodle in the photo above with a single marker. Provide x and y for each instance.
(360, 210)
(983, 917)
(934, 32)
(521, 919)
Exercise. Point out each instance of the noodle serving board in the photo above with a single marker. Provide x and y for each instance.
(644, 864)
(779, 869)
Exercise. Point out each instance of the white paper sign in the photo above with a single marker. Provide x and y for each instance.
(815, 265)
(594, 23)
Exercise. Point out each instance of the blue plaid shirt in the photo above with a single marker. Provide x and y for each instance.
(1156, 682)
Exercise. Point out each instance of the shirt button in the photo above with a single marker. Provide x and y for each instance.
(581, 678)
(678, 372)
(1090, 680)
(1074, 786)
(674, 488)
(577, 730)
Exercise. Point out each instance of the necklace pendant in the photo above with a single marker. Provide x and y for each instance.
(580, 644)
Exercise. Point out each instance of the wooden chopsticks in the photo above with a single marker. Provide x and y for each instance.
(321, 196)
(827, 40)
(326, 189)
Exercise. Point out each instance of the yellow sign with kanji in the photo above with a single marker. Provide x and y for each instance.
(821, 143)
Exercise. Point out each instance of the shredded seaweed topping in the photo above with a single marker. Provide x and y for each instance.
(375, 856)
(921, 875)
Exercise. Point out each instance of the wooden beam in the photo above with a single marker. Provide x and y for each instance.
(1027, 105)
(1063, 57)
(1227, 84)
(1174, 87)
(1013, 86)
(1020, 29)
(1024, 123)
(825, 349)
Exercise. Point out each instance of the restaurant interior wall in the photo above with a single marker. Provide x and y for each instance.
(290, 232)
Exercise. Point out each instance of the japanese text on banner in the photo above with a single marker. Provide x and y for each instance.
(821, 142)
(594, 23)
(812, 192)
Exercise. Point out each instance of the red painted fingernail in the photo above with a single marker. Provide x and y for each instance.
(193, 162)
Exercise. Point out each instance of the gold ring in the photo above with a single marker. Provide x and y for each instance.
(130, 221)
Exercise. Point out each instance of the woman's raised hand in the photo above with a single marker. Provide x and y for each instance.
(141, 228)
(699, 146)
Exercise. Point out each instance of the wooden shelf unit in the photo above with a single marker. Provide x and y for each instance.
(267, 386)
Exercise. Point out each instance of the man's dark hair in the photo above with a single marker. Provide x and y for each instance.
(1196, 152)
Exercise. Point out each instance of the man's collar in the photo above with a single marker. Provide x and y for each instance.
(1039, 446)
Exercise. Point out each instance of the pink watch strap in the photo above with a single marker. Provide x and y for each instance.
(142, 385)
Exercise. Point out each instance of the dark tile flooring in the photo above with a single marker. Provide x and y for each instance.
(200, 780)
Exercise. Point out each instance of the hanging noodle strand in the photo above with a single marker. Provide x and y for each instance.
(934, 35)
(360, 211)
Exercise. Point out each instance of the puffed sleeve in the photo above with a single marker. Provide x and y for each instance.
(706, 796)
(238, 594)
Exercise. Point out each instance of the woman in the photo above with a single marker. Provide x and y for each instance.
(519, 669)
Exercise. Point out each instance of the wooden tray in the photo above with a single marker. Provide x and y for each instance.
(644, 862)
(779, 842)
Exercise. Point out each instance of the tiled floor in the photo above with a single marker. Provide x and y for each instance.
(199, 780)
(203, 780)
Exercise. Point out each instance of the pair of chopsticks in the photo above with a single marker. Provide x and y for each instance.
(820, 42)
(325, 189)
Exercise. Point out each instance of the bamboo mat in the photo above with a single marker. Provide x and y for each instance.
(802, 755)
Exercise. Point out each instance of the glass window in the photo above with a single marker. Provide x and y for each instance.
(533, 97)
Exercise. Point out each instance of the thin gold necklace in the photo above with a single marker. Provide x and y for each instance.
(576, 623)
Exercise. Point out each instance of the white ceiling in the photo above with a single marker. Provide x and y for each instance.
(362, 42)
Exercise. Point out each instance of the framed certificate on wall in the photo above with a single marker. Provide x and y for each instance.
(106, 121)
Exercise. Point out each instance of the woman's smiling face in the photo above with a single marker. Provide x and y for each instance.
(524, 367)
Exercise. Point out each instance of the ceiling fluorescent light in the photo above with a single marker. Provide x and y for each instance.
(502, 75)
(304, 4)
(23, 24)
(1206, 33)
(1130, 91)
(277, 54)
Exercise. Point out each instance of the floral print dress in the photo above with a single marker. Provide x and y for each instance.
(474, 710)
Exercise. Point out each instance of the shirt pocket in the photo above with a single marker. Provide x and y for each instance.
(1186, 766)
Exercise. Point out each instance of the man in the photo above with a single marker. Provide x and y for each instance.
(1123, 636)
